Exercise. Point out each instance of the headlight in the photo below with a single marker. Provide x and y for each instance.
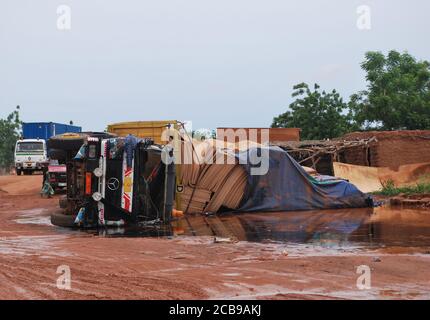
(98, 172)
(97, 196)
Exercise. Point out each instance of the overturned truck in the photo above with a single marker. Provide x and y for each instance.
(125, 180)
(116, 181)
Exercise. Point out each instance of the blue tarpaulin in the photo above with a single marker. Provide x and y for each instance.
(287, 187)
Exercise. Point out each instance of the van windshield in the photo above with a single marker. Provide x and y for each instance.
(29, 146)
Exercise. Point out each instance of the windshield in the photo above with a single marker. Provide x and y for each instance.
(29, 146)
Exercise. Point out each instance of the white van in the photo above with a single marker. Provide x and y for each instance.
(30, 155)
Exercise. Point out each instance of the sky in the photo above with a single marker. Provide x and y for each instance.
(217, 63)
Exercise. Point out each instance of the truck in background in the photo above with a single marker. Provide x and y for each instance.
(30, 155)
(31, 152)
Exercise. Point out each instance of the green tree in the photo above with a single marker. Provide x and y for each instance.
(320, 115)
(397, 95)
(9, 134)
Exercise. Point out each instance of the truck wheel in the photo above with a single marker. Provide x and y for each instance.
(60, 219)
(57, 154)
(67, 141)
(63, 202)
(74, 141)
(18, 172)
(100, 135)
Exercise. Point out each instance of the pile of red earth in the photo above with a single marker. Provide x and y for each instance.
(391, 149)
(411, 201)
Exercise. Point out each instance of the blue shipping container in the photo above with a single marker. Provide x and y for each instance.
(45, 130)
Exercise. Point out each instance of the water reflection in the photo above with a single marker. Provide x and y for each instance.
(369, 227)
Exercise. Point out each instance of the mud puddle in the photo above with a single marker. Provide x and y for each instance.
(33, 216)
(351, 228)
(30, 245)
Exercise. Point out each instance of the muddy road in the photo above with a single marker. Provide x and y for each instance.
(305, 256)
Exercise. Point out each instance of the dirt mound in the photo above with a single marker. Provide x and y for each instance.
(370, 179)
(392, 149)
(411, 201)
(381, 135)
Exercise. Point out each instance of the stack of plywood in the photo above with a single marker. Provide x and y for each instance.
(195, 199)
(214, 179)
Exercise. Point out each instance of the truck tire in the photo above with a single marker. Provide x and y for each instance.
(60, 219)
(74, 141)
(18, 171)
(57, 154)
(100, 135)
(67, 141)
(62, 201)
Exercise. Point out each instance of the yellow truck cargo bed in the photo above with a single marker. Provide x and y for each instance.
(143, 129)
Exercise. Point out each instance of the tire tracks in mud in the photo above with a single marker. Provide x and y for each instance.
(30, 278)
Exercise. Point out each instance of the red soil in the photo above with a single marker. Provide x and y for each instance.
(182, 268)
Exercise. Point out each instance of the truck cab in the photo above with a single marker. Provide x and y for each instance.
(115, 182)
(30, 156)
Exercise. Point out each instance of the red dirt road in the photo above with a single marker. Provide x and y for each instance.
(31, 250)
